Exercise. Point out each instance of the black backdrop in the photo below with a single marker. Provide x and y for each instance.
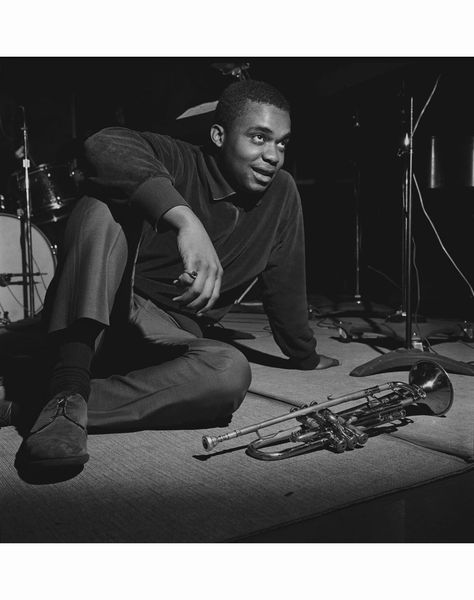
(349, 115)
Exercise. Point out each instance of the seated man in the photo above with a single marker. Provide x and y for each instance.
(169, 237)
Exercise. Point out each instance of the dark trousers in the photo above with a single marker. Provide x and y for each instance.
(149, 372)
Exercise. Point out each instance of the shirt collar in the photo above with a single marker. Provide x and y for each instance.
(220, 188)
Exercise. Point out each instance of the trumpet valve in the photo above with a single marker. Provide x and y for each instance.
(360, 436)
(336, 443)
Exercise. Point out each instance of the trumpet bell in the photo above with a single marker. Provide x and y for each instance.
(434, 381)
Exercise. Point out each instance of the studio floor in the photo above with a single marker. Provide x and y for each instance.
(411, 483)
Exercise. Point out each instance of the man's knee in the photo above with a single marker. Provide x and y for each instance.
(94, 275)
(229, 377)
(92, 225)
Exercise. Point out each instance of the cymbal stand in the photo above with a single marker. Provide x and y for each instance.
(26, 240)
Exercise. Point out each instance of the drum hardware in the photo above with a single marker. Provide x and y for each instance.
(5, 319)
(6, 278)
(320, 428)
(76, 174)
(193, 124)
(11, 267)
(238, 70)
(25, 238)
(45, 194)
(54, 189)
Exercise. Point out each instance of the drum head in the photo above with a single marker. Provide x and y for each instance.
(44, 262)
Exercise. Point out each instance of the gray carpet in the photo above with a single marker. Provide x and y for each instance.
(160, 486)
(452, 434)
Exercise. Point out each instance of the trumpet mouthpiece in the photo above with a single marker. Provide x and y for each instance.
(209, 442)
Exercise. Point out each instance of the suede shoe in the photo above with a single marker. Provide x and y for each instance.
(5, 413)
(5, 407)
(58, 437)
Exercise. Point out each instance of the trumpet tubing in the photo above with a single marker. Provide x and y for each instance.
(320, 427)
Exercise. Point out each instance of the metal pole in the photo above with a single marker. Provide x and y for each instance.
(408, 240)
(357, 296)
(29, 309)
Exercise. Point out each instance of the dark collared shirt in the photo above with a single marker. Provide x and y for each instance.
(261, 237)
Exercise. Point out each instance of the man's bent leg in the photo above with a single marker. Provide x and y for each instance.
(79, 304)
(94, 257)
(205, 384)
(169, 377)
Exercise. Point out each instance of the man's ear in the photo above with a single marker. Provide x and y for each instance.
(217, 135)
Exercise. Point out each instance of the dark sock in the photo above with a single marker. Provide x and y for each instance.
(71, 371)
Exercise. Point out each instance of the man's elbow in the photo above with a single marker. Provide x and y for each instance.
(93, 146)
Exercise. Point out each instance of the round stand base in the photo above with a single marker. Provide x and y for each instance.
(403, 359)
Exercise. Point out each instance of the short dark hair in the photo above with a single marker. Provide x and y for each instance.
(233, 100)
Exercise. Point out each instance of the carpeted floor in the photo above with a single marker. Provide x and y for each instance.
(161, 486)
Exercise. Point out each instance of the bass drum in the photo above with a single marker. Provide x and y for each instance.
(11, 287)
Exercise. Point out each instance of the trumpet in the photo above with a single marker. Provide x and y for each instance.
(320, 427)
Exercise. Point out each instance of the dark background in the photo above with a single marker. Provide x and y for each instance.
(349, 120)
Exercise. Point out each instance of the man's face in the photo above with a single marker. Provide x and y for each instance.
(252, 150)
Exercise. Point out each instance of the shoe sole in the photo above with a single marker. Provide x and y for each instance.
(54, 463)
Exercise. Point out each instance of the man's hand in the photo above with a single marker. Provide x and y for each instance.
(202, 275)
(325, 362)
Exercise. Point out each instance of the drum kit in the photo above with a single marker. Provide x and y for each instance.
(52, 191)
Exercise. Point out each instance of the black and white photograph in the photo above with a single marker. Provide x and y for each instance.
(236, 300)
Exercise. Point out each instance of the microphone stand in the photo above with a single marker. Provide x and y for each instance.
(408, 232)
(26, 240)
(357, 305)
(406, 356)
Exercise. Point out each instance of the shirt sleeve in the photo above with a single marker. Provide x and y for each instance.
(284, 289)
(139, 169)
